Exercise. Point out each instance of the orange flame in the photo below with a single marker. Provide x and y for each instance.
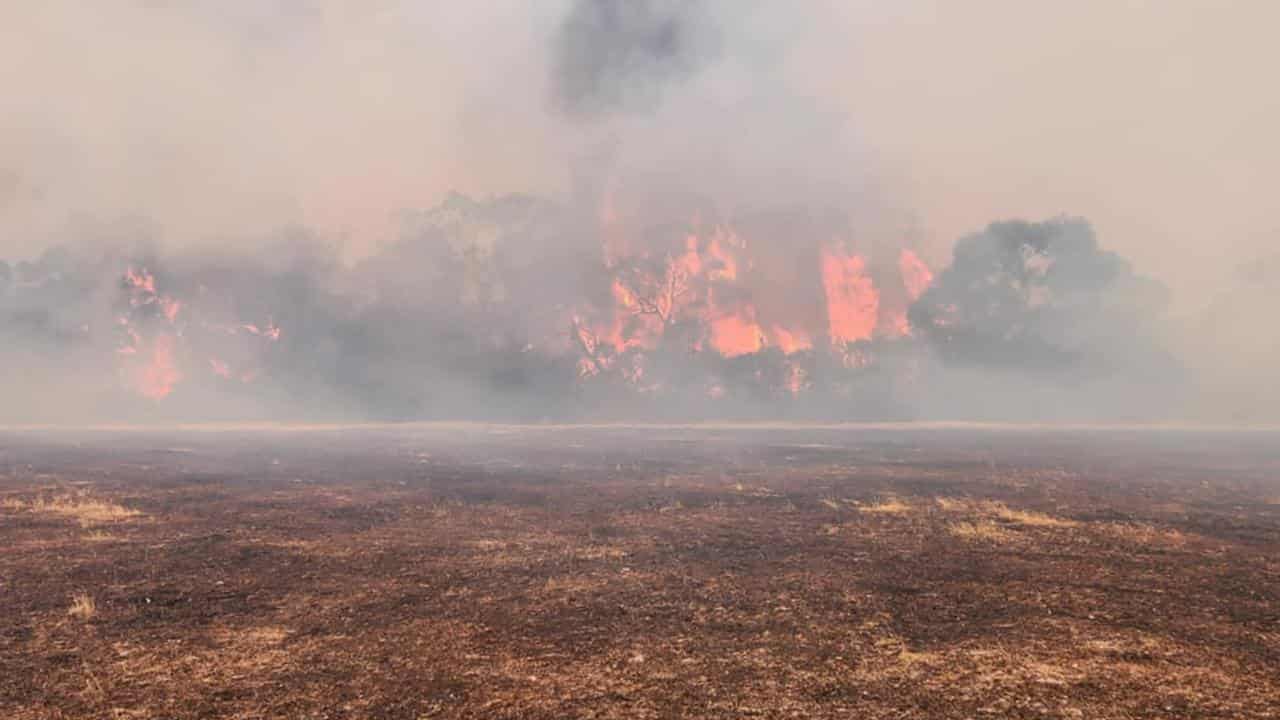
(916, 278)
(149, 356)
(789, 340)
(705, 283)
(735, 334)
(852, 300)
(158, 378)
(141, 281)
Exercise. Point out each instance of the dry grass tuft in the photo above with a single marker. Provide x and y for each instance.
(1144, 534)
(981, 530)
(599, 552)
(79, 507)
(97, 536)
(891, 506)
(1003, 512)
(82, 607)
(1029, 517)
(908, 659)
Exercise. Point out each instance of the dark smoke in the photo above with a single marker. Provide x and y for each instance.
(618, 54)
(1041, 298)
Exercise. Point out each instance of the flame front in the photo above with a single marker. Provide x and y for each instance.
(709, 293)
(690, 292)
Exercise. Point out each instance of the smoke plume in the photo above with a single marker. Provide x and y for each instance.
(606, 210)
(616, 54)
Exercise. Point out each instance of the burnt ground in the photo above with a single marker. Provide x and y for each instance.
(473, 572)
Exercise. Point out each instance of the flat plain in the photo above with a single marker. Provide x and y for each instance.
(441, 571)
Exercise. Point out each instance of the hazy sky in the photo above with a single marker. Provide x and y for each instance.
(220, 121)
(1156, 120)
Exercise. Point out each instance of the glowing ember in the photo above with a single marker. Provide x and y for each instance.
(789, 340)
(895, 325)
(140, 281)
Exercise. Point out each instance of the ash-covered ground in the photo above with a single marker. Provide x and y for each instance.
(639, 572)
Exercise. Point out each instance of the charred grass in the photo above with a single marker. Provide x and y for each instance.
(637, 578)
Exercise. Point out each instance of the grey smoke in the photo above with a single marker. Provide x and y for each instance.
(1042, 297)
(1234, 344)
(619, 54)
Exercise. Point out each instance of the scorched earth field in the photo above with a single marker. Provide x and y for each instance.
(639, 572)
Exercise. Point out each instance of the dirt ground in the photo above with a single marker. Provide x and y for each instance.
(771, 572)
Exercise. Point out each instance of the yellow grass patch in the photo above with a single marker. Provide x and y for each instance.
(908, 658)
(891, 506)
(82, 606)
(1003, 512)
(79, 507)
(600, 552)
(1144, 534)
(980, 530)
(953, 504)
(1028, 517)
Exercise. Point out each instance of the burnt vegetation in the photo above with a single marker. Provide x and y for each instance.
(454, 571)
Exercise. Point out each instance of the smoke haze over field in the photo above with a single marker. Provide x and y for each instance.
(667, 209)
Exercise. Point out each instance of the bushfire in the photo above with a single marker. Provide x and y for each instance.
(154, 337)
(717, 309)
(701, 292)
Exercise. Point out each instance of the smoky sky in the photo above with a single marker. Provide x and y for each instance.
(294, 167)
